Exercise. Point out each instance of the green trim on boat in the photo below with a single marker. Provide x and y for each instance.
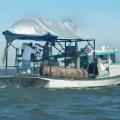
(102, 75)
(115, 64)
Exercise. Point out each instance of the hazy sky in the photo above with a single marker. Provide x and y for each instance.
(99, 18)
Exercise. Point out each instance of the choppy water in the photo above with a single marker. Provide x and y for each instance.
(59, 104)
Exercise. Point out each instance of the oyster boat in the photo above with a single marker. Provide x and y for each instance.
(73, 50)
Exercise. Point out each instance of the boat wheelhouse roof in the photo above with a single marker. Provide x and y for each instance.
(106, 52)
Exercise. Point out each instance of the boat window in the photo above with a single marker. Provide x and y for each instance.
(117, 55)
(103, 57)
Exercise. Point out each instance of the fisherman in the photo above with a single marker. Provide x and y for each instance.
(26, 58)
(93, 68)
(46, 53)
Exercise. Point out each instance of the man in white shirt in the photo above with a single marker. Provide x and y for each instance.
(26, 58)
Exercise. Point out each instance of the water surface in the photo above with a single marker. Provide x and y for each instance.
(59, 104)
(34, 103)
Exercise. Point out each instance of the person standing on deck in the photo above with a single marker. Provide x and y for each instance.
(93, 68)
(26, 58)
(45, 56)
(46, 53)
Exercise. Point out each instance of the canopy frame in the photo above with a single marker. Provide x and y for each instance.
(10, 37)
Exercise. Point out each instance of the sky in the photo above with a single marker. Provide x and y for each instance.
(99, 18)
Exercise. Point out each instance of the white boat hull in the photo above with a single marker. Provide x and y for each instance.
(47, 82)
(58, 83)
